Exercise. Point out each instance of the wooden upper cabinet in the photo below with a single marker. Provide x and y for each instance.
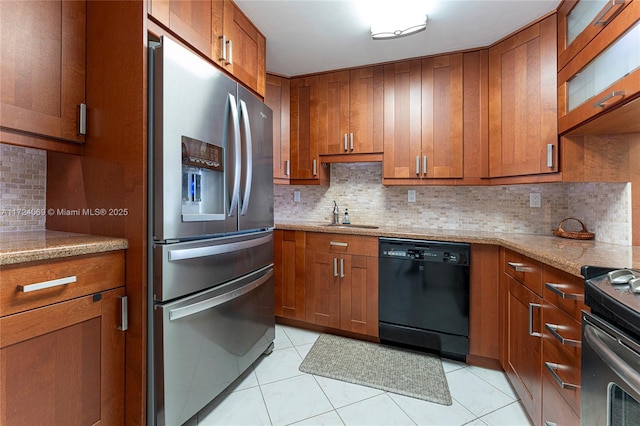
(423, 119)
(402, 119)
(278, 98)
(442, 117)
(350, 108)
(523, 129)
(191, 20)
(305, 158)
(242, 49)
(43, 45)
(219, 30)
(579, 21)
(603, 76)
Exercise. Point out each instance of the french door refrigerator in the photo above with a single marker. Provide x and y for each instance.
(211, 295)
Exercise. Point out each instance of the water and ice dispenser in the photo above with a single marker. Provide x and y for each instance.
(203, 181)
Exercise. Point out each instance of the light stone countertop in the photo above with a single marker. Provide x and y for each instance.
(19, 247)
(561, 253)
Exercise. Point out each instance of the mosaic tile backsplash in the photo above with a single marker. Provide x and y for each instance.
(604, 208)
(23, 177)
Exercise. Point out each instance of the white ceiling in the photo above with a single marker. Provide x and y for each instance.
(307, 36)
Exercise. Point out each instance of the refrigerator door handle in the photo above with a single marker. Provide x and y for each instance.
(248, 155)
(186, 311)
(235, 194)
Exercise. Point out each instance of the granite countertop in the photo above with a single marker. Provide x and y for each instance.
(19, 247)
(564, 254)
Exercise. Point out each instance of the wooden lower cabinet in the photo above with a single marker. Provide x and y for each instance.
(288, 253)
(524, 347)
(341, 282)
(63, 363)
(555, 410)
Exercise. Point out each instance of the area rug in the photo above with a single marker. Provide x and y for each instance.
(402, 371)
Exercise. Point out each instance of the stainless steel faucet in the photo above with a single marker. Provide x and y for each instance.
(336, 213)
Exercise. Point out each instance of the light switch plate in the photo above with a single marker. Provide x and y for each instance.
(411, 196)
(296, 196)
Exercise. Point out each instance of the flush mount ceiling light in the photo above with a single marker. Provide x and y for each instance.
(394, 19)
(390, 32)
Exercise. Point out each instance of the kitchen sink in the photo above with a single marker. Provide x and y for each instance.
(343, 225)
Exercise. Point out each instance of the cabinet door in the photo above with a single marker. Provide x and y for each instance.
(402, 120)
(288, 250)
(64, 363)
(322, 289)
(523, 134)
(365, 109)
(442, 138)
(333, 112)
(277, 98)
(246, 48)
(304, 128)
(524, 356)
(189, 19)
(42, 45)
(359, 294)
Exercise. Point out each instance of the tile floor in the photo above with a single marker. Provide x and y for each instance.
(274, 392)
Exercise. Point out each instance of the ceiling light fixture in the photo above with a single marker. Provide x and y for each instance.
(380, 32)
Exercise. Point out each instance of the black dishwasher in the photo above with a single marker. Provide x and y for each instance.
(424, 295)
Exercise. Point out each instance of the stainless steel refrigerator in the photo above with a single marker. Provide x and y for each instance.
(211, 296)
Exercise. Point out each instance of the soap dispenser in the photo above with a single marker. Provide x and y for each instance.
(346, 220)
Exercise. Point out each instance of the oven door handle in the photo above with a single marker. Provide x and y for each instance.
(187, 311)
(617, 364)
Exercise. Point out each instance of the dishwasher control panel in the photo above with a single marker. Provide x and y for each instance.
(425, 251)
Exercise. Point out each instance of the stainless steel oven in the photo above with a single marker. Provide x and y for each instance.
(611, 349)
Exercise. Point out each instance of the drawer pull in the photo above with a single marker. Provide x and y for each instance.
(338, 244)
(519, 267)
(553, 368)
(553, 329)
(548, 423)
(568, 296)
(601, 102)
(531, 332)
(47, 284)
(611, 5)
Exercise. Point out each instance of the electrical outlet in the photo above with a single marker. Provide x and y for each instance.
(296, 196)
(535, 199)
(411, 196)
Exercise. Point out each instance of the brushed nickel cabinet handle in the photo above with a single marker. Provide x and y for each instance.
(611, 5)
(549, 423)
(223, 48)
(555, 288)
(351, 140)
(550, 155)
(335, 266)
(601, 102)
(338, 244)
(124, 313)
(553, 329)
(230, 61)
(553, 368)
(315, 167)
(418, 165)
(287, 168)
(82, 119)
(346, 147)
(424, 164)
(341, 268)
(47, 284)
(519, 267)
(531, 332)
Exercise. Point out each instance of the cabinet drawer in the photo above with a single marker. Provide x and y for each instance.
(524, 270)
(564, 290)
(341, 243)
(555, 410)
(31, 285)
(561, 353)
